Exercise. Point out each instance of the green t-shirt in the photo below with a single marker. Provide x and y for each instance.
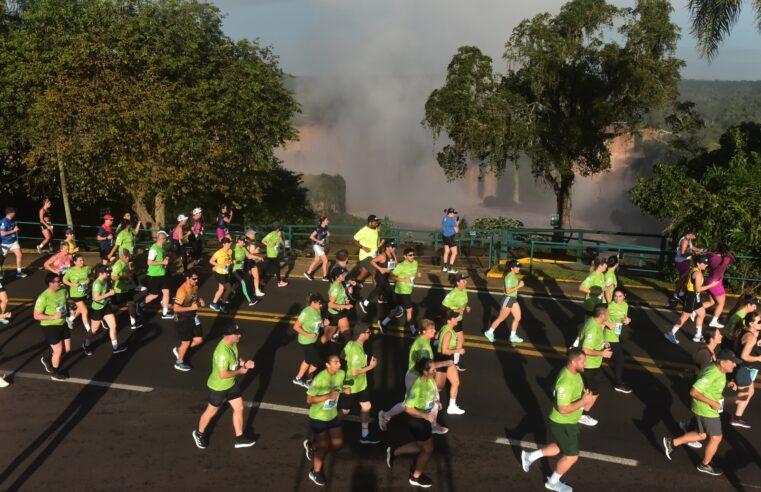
(711, 383)
(594, 279)
(452, 339)
(125, 240)
(420, 349)
(225, 358)
(406, 270)
(422, 395)
(568, 389)
(79, 276)
(456, 300)
(239, 257)
(323, 384)
(356, 359)
(122, 270)
(616, 314)
(732, 327)
(156, 253)
(49, 303)
(272, 242)
(592, 338)
(338, 292)
(311, 320)
(511, 282)
(368, 238)
(99, 287)
(610, 278)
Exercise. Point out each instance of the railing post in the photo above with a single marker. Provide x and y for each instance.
(662, 254)
(531, 259)
(580, 247)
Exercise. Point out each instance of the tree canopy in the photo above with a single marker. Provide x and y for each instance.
(575, 80)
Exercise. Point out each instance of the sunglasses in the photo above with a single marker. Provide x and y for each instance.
(194, 278)
(410, 256)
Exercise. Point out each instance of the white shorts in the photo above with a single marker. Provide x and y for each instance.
(318, 250)
(6, 248)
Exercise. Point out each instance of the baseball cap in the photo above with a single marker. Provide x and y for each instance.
(69, 231)
(514, 264)
(390, 244)
(233, 329)
(162, 233)
(725, 354)
(197, 210)
(276, 224)
(460, 276)
(691, 230)
(108, 217)
(703, 259)
(337, 272)
(373, 218)
(182, 217)
(452, 211)
(250, 232)
(315, 298)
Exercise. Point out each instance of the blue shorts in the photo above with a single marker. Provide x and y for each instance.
(320, 426)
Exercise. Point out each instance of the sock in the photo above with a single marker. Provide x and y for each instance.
(132, 320)
(87, 327)
(165, 310)
(365, 432)
(456, 358)
(386, 320)
(18, 270)
(555, 478)
(453, 402)
(413, 329)
(70, 318)
(674, 330)
(535, 455)
(698, 331)
(114, 344)
(715, 319)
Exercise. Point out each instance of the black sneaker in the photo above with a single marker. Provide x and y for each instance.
(363, 307)
(369, 439)
(46, 364)
(308, 449)
(421, 481)
(318, 478)
(87, 349)
(119, 349)
(59, 376)
(200, 440)
(389, 456)
(739, 422)
(622, 388)
(709, 469)
(244, 442)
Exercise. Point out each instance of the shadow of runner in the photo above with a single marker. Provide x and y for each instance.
(741, 454)
(71, 416)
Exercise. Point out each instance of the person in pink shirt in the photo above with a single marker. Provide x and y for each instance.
(718, 262)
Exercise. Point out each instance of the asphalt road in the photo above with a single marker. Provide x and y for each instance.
(89, 434)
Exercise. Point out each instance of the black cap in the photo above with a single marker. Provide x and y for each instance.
(373, 218)
(725, 354)
(460, 276)
(103, 269)
(337, 272)
(452, 211)
(451, 315)
(703, 259)
(276, 224)
(315, 298)
(233, 329)
(514, 264)
(390, 244)
(691, 230)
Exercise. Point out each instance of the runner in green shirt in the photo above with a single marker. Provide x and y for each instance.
(125, 237)
(226, 364)
(77, 278)
(593, 286)
(308, 326)
(322, 398)
(422, 405)
(618, 317)
(449, 347)
(404, 274)
(50, 310)
(357, 367)
(571, 399)
(746, 304)
(611, 281)
(102, 312)
(707, 405)
(240, 273)
(121, 275)
(594, 346)
(338, 308)
(156, 279)
(274, 243)
(510, 304)
(456, 301)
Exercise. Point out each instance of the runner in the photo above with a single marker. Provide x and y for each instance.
(226, 364)
(611, 281)
(254, 261)
(124, 294)
(749, 351)
(186, 302)
(125, 239)
(342, 261)
(102, 312)
(510, 304)
(5, 316)
(707, 404)
(457, 301)
(422, 405)
(156, 275)
(381, 264)
(180, 235)
(308, 326)
(77, 278)
(319, 238)
(693, 286)
(240, 273)
(596, 349)
(105, 237)
(618, 317)
(338, 309)
(683, 259)
(70, 241)
(59, 262)
(420, 349)
(50, 310)
(571, 399)
(718, 262)
(450, 225)
(355, 384)
(196, 235)
(404, 275)
(9, 241)
(126, 217)
(224, 217)
(274, 242)
(222, 262)
(447, 349)
(324, 422)
(368, 241)
(745, 305)
(46, 226)
(593, 286)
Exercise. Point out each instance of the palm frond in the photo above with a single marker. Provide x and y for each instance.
(712, 21)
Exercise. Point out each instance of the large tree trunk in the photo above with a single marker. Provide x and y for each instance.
(563, 197)
(65, 193)
(516, 185)
(138, 204)
(159, 210)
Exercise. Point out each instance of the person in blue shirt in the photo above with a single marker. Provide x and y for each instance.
(105, 237)
(451, 226)
(9, 241)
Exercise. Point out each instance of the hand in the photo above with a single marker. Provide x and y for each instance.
(242, 370)
(732, 385)
(201, 302)
(194, 305)
(249, 364)
(165, 262)
(373, 363)
(607, 353)
(57, 315)
(467, 309)
(334, 394)
(714, 404)
(430, 417)
(312, 335)
(521, 284)
(627, 321)
(110, 236)
(587, 398)
(365, 249)
(111, 292)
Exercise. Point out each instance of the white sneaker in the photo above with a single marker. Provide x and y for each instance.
(259, 293)
(715, 323)
(382, 420)
(587, 420)
(453, 409)
(3, 382)
(559, 486)
(439, 429)
(515, 338)
(489, 335)
(697, 338)
(525, 462)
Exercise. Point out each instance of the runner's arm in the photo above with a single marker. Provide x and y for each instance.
(701, 397)
(297, 327)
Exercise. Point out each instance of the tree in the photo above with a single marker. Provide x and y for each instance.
(566, 94)
(713, 20)
(150, 102)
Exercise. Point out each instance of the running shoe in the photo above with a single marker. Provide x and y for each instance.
(452, 271)
(439, 429)
(715, 323)
(46, 364)
(70, 323)
(176, 353)
(383, 420)
(381, 327)
(253, 302)
(137, 325)
(461, 367)
(299, 382)
(453, 409)
(525, 461)
(215, 307)
(243, 442)
(5, 321)
(709, 469)
(421, 481)
(558, 486)
(119, 349)
(167, 316)
(308, 277)
(398, 312)
(86, 349)
(308, 450)
(668, 447)
(3, 382)
(739, 422)
(182, 366)
(59, 376)
(671, 338)
(587, 420)
(259, 293)
(200, 440)
(490, 336)
(444, 270)
(622, 388)
(325, 279)
(20, 274)
(336, 338)
(698, 338)
(318, 478)
(369, 439)
(283, 283)
(363, 306)
(694, 444)
(515, 339)
(389, 457)
(39, 250)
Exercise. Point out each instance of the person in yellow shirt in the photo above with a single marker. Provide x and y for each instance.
(222, 262)
(369, 243)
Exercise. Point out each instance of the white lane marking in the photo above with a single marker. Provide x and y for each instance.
(289, 409)
(584, 454)
(84, 382)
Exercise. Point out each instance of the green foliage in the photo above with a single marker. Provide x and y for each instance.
(499, 222)
(713, 20)
(326, 193)
(566, 93)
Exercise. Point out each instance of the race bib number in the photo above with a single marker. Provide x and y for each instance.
(330, 404)
(619, 327)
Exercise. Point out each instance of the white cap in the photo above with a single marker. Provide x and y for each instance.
(182, 217)
(197, 210)
(162, 233)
